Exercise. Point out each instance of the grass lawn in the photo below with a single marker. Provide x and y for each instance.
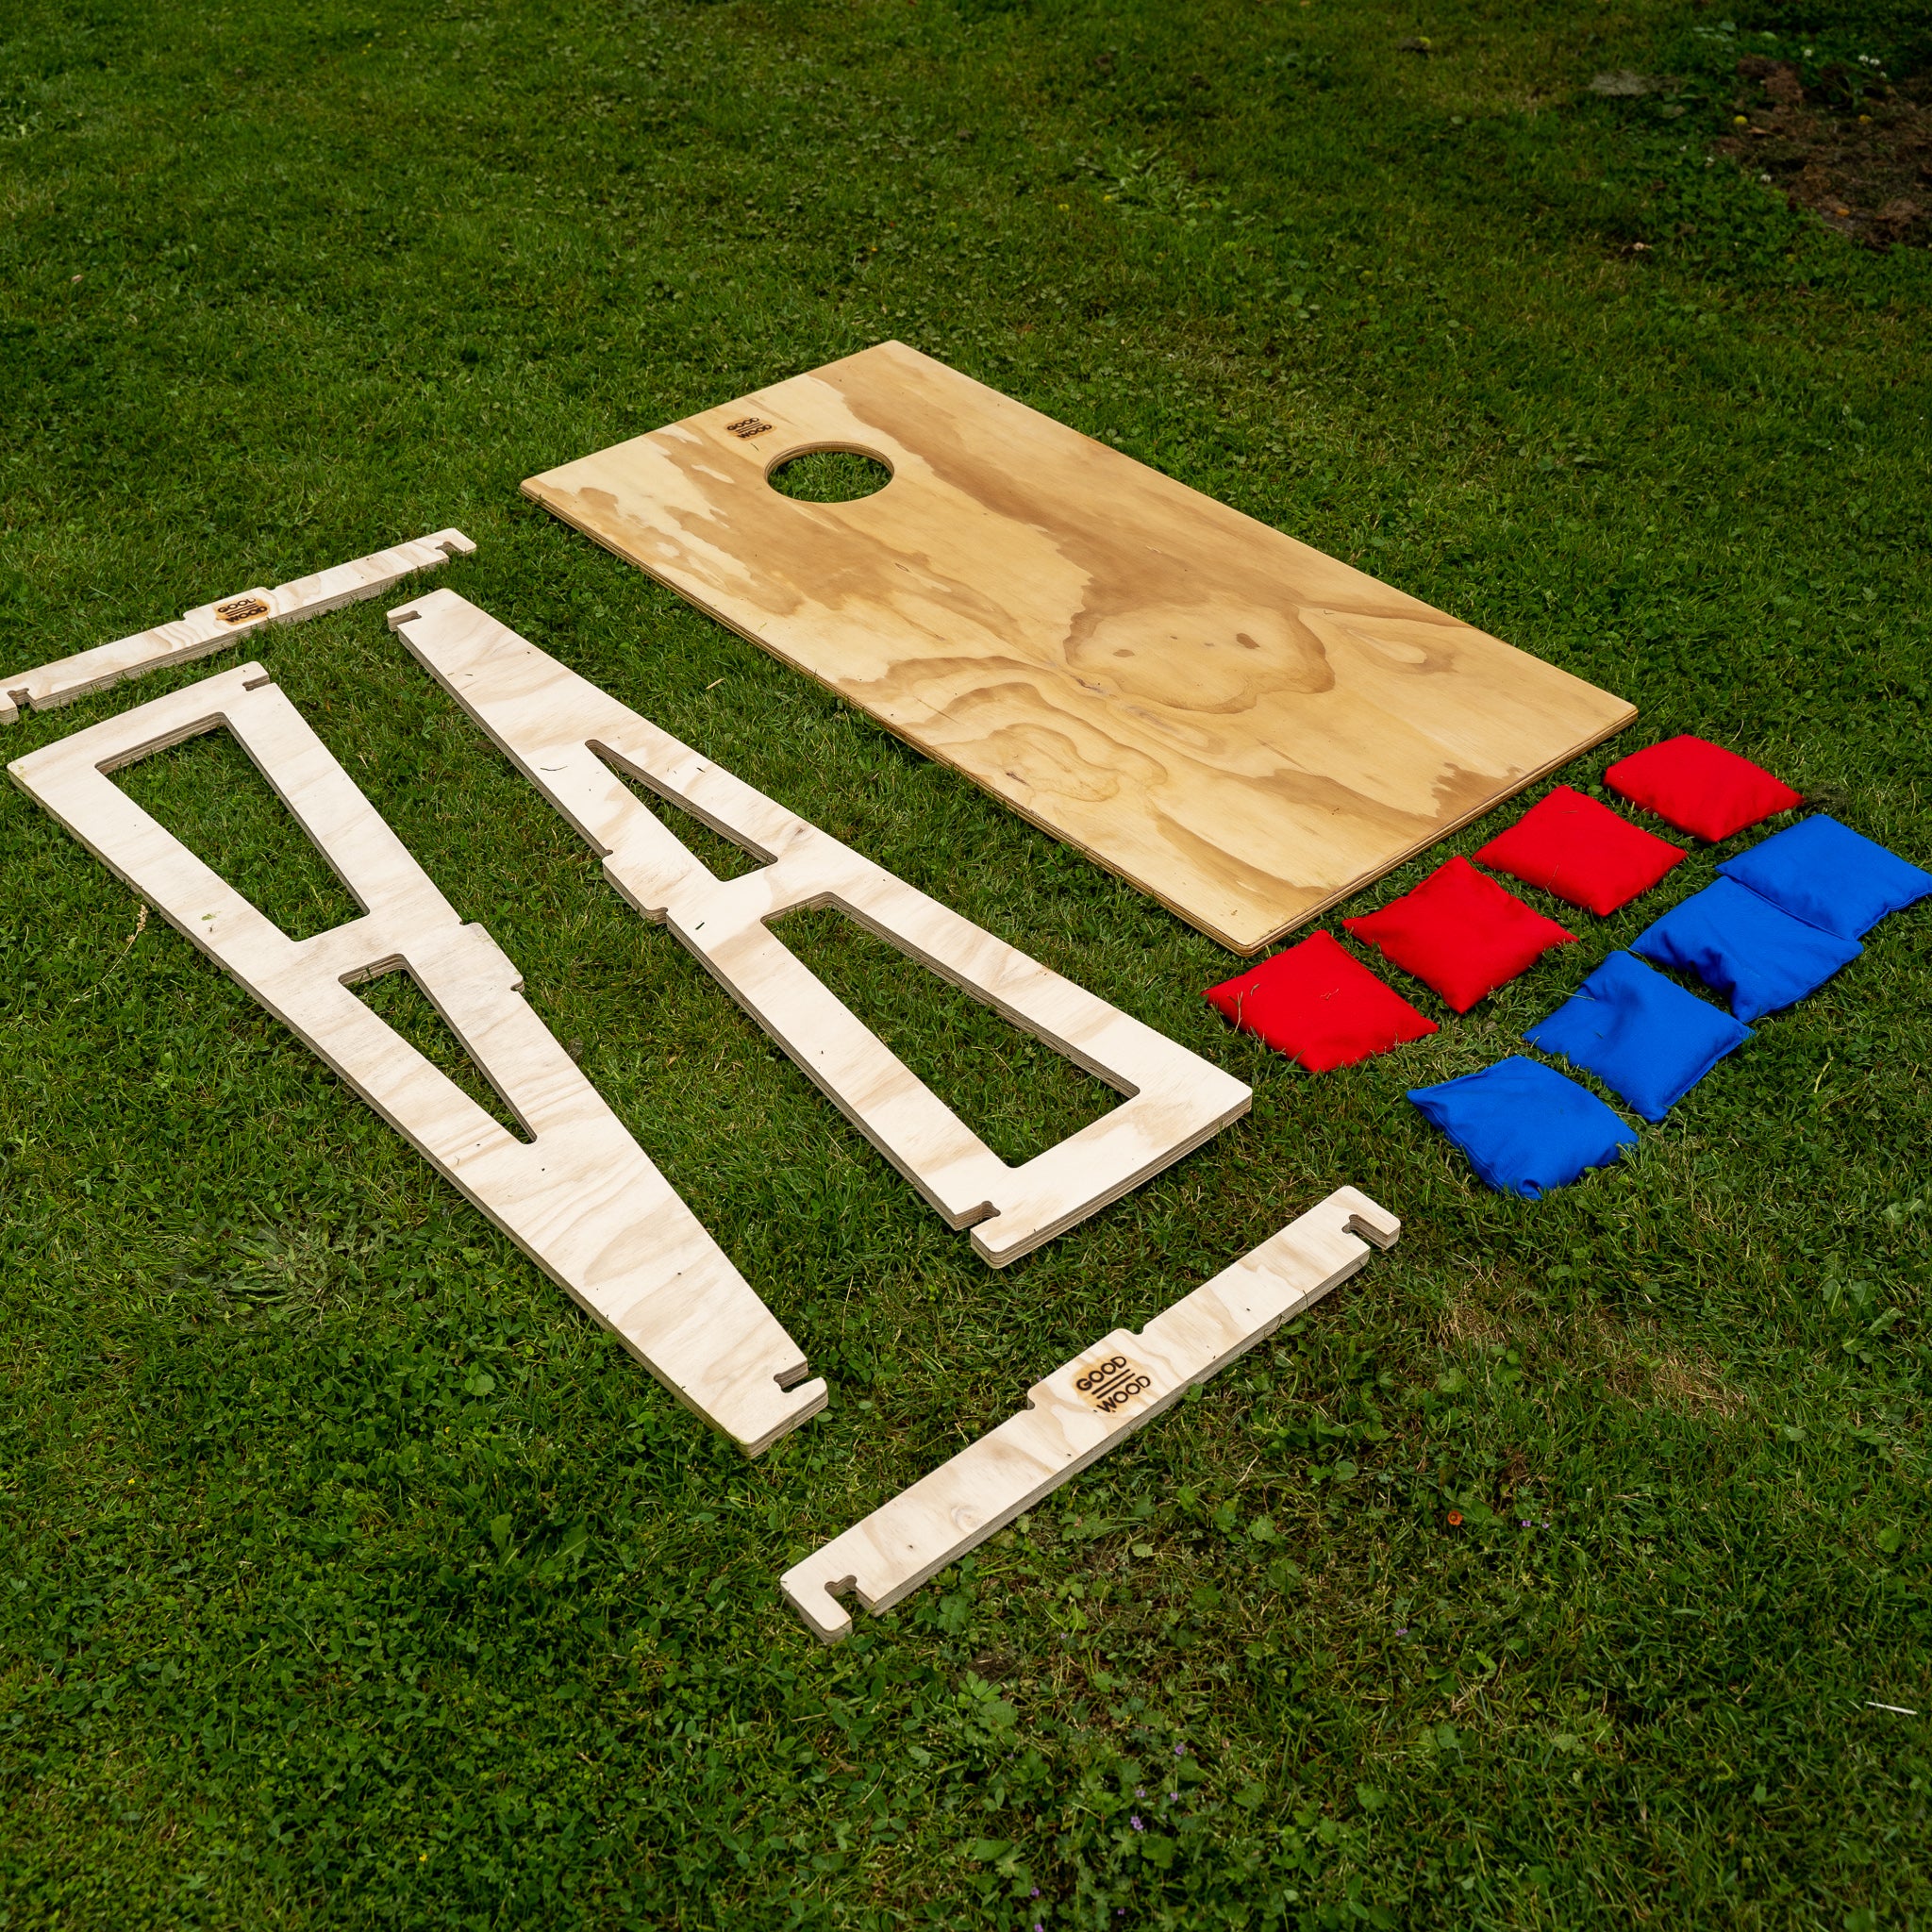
(353, 1578)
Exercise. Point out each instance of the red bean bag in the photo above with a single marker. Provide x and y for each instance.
(1460, 933)
(1700, 787)
(1318, 1004)
(1582, 851)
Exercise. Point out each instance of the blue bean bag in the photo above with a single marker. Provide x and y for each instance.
(1525, 1126)
(1743, 947)
(1829, 876)
(1640, 1034)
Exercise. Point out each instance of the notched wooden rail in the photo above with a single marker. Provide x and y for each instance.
(214, 626)
(1082, 1411)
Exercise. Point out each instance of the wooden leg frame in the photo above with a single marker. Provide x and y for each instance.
(559, 731)
(215, 626)
(580, 1198)
(1081, 1410)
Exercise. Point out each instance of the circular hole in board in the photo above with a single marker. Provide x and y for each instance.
(829, 475)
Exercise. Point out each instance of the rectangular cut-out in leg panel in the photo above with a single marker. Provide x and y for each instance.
(1081, 1410)
(215, 626)
(565, 735)
(581, 1198)
(1245, 729)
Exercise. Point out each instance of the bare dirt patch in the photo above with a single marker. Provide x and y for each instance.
(1468, 1323)
(1633, 1360)
(1687, 1382)
(1862, 164)
(1636, 1362)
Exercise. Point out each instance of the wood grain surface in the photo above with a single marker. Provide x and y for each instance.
(1082, 1411)
(1242, 726)
(577, 1195)
(570, 740)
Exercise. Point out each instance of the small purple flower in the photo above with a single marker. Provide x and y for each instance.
(1139, 1791)
(1134, 1819)
(1404, 1631)
(1034, 1893)
(1180, 1750)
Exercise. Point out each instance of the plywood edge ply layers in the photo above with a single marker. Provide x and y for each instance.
(571, 740)
(1245, 728)
(1083, 1410)
(580, 1196)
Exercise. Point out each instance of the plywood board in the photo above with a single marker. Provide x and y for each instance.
(1245, 728)
(579, 1196)
(1082, 1411)
(214, 626)
(571, 740)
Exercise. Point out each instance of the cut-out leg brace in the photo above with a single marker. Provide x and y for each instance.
(558, 730)
(581, 1199)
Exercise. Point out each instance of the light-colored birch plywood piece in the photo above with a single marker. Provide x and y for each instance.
(565, 735)
(579, 1197)
(1082, 1411)
(1242, 727)
(215, 626)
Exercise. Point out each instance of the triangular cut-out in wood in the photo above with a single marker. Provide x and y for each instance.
(580, 1198)
(1019, 1094)
(719, 852)
(1081, 1410)
(209, 794)
(562, 733)
(409, 1010)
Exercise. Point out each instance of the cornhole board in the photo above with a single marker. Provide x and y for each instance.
(1240, 725)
